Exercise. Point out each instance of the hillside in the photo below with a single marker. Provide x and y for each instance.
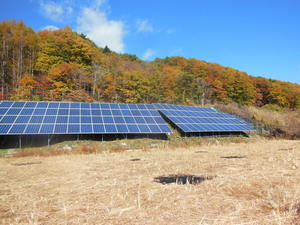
(65, 65)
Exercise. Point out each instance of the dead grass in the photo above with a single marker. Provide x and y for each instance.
(279, 124)
(121, 145)
(261, 188)
(46, 152)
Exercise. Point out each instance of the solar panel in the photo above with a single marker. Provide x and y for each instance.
(197, 119)
(21, 118)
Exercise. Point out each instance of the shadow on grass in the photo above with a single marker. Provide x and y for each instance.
(15, 141)
(182, 179)
(26, 163)
(285, 149)
(233, 157)
(135, 159)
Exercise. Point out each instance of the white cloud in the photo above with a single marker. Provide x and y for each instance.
(50, 27)
(144, 26)
(95, 24)
(149, 53)
(90, 18)
(98, 3)
(55, 11)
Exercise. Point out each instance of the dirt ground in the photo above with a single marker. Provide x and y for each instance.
(232, 183)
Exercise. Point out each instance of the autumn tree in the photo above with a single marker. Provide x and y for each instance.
(65, 45)
(65, 78)
(18, 48)
(65, 65)
(26, 89)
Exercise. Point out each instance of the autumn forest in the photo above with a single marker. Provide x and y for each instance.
(66, 66)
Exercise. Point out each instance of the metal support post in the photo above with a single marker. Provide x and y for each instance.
(20, 141)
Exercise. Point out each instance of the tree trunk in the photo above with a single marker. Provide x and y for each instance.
(203, 98)
(3, 62)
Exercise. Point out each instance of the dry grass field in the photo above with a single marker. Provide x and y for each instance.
(257, 182)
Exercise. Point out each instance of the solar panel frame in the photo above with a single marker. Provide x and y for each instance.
(190, 119)
(26, 118)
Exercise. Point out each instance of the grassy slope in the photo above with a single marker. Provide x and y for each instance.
(261, 187)
(284, 124)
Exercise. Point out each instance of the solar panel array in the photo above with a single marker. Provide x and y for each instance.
(19, 118)
(197, 119)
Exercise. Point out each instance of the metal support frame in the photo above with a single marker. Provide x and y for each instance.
(20, 141)
(48, 140)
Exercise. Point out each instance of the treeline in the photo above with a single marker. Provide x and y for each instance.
(65, 65)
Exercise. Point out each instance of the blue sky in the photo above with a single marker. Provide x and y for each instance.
(260, 37)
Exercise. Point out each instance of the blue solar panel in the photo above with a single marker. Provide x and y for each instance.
(164, 128)
(4, 128)
(13, 111)
(85, 105)
(116, 112)
(133, 128)
(136, 113)
(6, 104)
(30, 104)
(86, 119)
(122, 128)
(51, 112)
(197, 119)
(32, 129)
(106, 112)
(95, 106)
(49, 119)
(110, 128)
(140, 120)
(129, 119)
(47, 129)
(60, 128)
(3, 111)
(18, 104)
(17, 129)
(8, 119)
(154, 128)
(86, 128)
(96, 112)
(78, 118)
(39, 111)
(64, 105)
(74, 119)
(98, 128)
(53, 105)
(85, 112)
(26, 111)
(144, 128)
(126, 112)
(74, 105)
(42, 105)
(62, 119)
(74, 128)
(22, 119)
(118, 119)
(36, 119)
(75, 112)
(62, 112)
(123, 106)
